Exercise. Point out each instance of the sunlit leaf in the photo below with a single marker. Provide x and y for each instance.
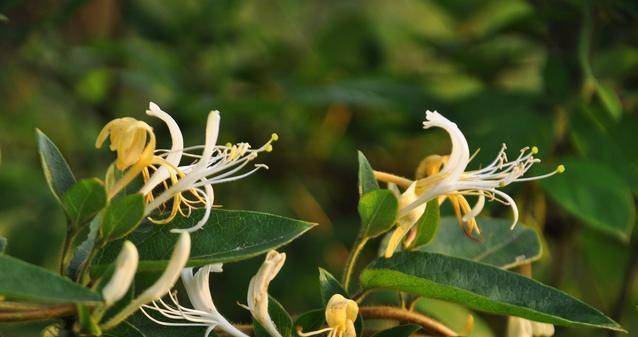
(329, 286)
(122, 216)
(378, 211)
(56, 170)
(83, 201)
(428, 224)
(367, 181)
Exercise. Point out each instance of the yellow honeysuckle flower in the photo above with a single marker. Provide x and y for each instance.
(341, 313)
(441, 177)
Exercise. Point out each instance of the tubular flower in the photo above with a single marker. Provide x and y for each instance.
(520, 327)
(163, 284)
(340, 316)
(215, 164)
(204, 313)
(125, 268)
(441, 177)
(134, 143)
(258, 291)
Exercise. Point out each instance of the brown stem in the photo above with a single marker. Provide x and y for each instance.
(62, 310)
(391, 178)
(17, 306)
(404, 316)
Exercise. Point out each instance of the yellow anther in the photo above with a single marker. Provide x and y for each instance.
(274, 137)
(268, 148)
(560, 168)
(534, 150)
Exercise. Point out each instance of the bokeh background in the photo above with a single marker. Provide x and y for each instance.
(331, 78)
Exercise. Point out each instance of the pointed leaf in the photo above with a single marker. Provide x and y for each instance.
(310, 320)
(84, 200)
(367, 181)
(227, 237)
(23, 281)
(329, 286)
(498, 245)
(378, 211)
(481, 287)
(279, 316)
(610, 100)
(122, 216)
(428, 224)
(56, 170)
(398, 331)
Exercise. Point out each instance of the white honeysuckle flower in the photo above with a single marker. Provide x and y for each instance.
(341, 313)
(162, 286)
(125, 268)
(204, 313)
(258, 291)
(521, 327)
(448, 177)
(215, 164)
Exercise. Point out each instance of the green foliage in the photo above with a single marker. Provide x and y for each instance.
(310, 320)
(454, 316)
(378, 211)
(56, 170)
(428, 224)
(279, 316)
(398, 331)
(83, 201)
(329, 286)
(23, 281)
(122, 216)
(124, 330)
(497, 245)
(87, 324)
(367, 181)
(596, 195)
(481, 287)
(228, 236)
(3, 244)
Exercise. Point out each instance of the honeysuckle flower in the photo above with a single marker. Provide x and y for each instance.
(125, 268)
(204, 313)
(448, 177)
(258, 291)
(162, 286)
(341, 313)
(521, 327)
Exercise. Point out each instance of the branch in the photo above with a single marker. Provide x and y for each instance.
(63, 310)
(391, 178)
(404, 316)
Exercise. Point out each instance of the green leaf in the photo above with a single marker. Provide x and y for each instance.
(122, 216)
(428, 224)
(609, 100)
(3, 244)
(125, 329)
(279, 316)
(329, 286)
(227, 237)
(28, 282)
(595, 194)
(56, 170)
(499, 245)
(455, 316)
(481, 287)
(82, 251)
(398, 331)
(367, 181)
(84, 200)
(310, 320)
(378, 211)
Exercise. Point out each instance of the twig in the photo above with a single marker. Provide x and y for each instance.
(57, 311)
(352, 261)
(391, 178)
(404, 316)
(18, 306)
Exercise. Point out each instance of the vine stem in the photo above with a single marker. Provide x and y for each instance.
(352, 260)
(405, 316)
(62, 310)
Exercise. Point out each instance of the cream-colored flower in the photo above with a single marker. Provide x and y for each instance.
(163, 284)
(125, 268)
(258, 291)
(448, 177)
(521, 327)
(341, 313)
(204, 313)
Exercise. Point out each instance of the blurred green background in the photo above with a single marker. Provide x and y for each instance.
(331, 77)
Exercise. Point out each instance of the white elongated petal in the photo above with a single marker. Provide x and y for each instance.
(163, 285)
(258, 291)
(542, 329)
(210, 198)
(460, 154)
(519, 327)
(125, 268)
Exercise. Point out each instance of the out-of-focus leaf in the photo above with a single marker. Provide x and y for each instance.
(481, 287)
(367, 181)
(378, 211)
(596, 195)
(228, 236)
(610, 100)
(122, 216)
(23, 281)
(3, 244)
(454, 316)
(56, 170)
(83, 201)
(329, 286)
(398, 331)
(279, 316)
(498, 244)
(428, 224)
